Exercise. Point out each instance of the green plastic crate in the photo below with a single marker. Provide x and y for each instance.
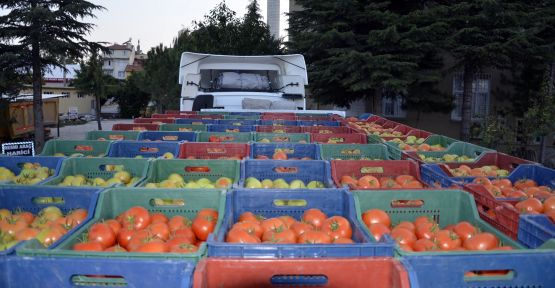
(161, 169)
(395, 151)
(183, 127)
(101, 167)
(241, 117)
(234, 137)
(113, 135)
(354, 152)
(457, 148)
(92, 148)
(282, 137)
(113, 202)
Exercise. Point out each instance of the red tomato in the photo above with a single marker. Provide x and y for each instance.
(287, 220)
(376, 216)
(343, 241)
(403, 236)
(378, 230)
(114, 225)
(136, 217)
(103, 234)
(203, 225)
(529, 205)
(184, 248)
(251, 227)
(299, 228)
(12, 225)
(88, 246)
(77, 216)
(240, 236)
(424, 245)
(186, 233)
(314, 237)
(159, 230)
(337, 227)
(115, 248)
(250, 216)
(408, 225)
(314, 217)
(179, 222)
(272, 224)
(124, 236)
(280, 236)
(551, 215)
(27, 217)
(49, 236)
(158, 217)
(26, 234)
(447, 240)
(422, 219)
(427, 230)
(155, 246)
(465, 230)
(481, 241)
(137, 240)
(209, 212)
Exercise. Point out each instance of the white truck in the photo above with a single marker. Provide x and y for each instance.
(243, 83)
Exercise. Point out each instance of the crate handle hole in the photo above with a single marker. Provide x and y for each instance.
(170, 138)
(216, 150)
(48, 200)
(149, 149)
(115, 137)
(197, 169)
(280, 139)
(371, 170)
(83, 148)
(413, 203)
(299, 280)
(285, 150)
(290, 202)
(290, 170)
(185, 129)
(164, 202)
(111, 167)
(350, 151)
(489, 275)
(99, 280)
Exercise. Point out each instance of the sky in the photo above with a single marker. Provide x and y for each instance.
(154, 22)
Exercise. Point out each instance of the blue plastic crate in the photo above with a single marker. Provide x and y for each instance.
(15, 164)
(146, 149)
(293, 150)
(278, 122)
(14, 197)
(288, 170)
(319, 123)
(535, 230)
(168, 136)
(93, 272)
(231, 128)
(195, 121)
(331, 201)
(365, 116)
(245, 113)
(237, 122)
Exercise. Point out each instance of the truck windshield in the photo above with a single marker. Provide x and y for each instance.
(239, 80)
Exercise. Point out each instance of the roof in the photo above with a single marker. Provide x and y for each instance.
(53, 73)
(119, 47)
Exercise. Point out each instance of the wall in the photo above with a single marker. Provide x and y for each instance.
(83, 104)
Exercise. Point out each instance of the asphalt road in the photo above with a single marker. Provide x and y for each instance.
(78, 132)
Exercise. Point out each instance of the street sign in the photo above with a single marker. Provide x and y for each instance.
(19, 149)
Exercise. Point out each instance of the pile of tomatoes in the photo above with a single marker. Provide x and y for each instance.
(424, 234)
(137, 230)
(315, 227)
(371, 182)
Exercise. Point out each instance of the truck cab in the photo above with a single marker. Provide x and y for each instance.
(273, 82)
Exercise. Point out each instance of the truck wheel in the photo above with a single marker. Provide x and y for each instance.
(203, 102)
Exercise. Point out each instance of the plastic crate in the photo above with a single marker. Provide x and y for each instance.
(154, 120)
(278, 122)
(135, 127)
(330, 201)
(535, 230)
(241, 117)
(293, 150)
(112, 135)
(100, 167)
(458, 148)
(183, 127)
(384, 272)
(404, 129)
(447, 269)
(354, 152)
(237, 122)
(395, 151)
(15, 164)
(214, 150)
(25, 198)
(245, 113)
(231, 128)
(319, 123)
(353, 138)
(282, 137)
(167, 136)
(146, 149)
(326, 129)
(236, 137)
(288, 170)
(279, 116)
(316, 118)
(113, 202)
(387, 168)
(278, 129)
(174, 115)
(97, 272)
(213, 169)
(207, 115)
(196, 121)
(93, 148)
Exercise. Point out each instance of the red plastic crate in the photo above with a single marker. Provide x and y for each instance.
(279, 129)
(348, 272)
(376, 119)
(177, 112)
(204, 116)
(213, 150)
(327, 129)
(315, 118)
(154, 120)
(352, 138)
(387, 168)
(135, 127)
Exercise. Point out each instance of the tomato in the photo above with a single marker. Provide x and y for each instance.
(280, 236)
(427, 230)
(12, 225)
(378, 230)
(88, 246)
(482, 180)
(158, 217)
(422, 219)
(179, 222)
(250, 216)
(251, 227)
(155, 246)
(299, 228)
(406, 248)
(481, 241)
(203, 225)
(209, 212)
(159, 230)
(314, 237)
(343, 241)
(240, 236)
(314, 217)
(183, 248)
(287, 220)
(424, 245)
(48, 236)
(77, 216)
(27, 217)
(403, 236)
(115, 248)
(177, 241)
(465, 230)
(529, 205)
(272, 224)
(376, 216)
(408, 225)
(114, 225)
(525, 183)
(137, 240)
(337, 227)
(136, 217)
(26, 234)
(551, 215)
(447, 240)
(103, 234)
(124, 236)
(186, 233)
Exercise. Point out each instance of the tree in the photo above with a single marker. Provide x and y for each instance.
(254, 37)
(130, 96)
(41, 33)
(161, 78)
(92, 80)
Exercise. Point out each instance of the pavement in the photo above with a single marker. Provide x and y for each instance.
(79, 132)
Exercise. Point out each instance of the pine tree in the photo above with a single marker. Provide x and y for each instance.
(42, 33)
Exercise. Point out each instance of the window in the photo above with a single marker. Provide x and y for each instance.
(121, 74)
(48, 92)
(393, 107)
(80, 95)
(109, 63)
(480, 97)
(66, 95)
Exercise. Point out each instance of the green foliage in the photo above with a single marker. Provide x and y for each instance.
(131, 98)
(161, 78)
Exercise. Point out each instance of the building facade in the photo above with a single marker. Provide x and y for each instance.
(117, 59)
